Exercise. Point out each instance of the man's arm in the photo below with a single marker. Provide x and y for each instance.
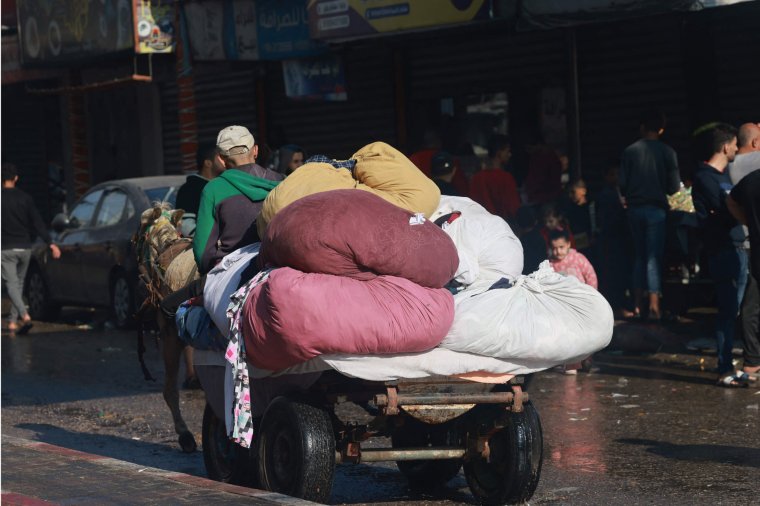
(673, 181)
(736, 210)
(39, 227)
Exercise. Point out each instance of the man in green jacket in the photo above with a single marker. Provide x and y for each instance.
(229, 206)
(230, 203)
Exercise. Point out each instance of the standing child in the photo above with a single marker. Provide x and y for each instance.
(566, 260)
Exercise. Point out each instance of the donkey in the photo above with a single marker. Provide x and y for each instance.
(165, 263)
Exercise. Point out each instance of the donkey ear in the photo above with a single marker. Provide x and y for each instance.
(177, 216)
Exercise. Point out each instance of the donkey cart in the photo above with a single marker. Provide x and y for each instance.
(436, 425)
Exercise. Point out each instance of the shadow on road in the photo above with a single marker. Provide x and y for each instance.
(138, 452)
(722, 454)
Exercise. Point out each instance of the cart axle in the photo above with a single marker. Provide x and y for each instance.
(387, 454)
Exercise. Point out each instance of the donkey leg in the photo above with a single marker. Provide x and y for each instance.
(172, 352)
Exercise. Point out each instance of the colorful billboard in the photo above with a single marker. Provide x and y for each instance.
(55, 31)
(154, 26)
(336, 19)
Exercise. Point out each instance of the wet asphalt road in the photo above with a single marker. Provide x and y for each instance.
(642, 428)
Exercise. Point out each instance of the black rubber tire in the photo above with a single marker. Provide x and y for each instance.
(225, 460)
(122, 301)
(514, 469)
(297, 450)
(427, 474)
(37, 295)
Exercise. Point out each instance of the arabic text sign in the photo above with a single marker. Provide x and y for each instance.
(283, 29)
(320, 78)
(55, 31)
(329, 19)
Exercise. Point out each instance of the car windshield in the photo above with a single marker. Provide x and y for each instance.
(162, 194)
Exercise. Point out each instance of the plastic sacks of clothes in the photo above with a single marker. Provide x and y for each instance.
(361, 236)
(545, 320)
(224, 279)
(380, 169)
(545, 317)
(295, 316)
(487, 247)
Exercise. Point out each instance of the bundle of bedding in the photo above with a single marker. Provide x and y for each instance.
(295, 316)
(379, 169)
(360, 236)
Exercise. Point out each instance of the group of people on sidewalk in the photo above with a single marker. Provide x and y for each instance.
(580, 237)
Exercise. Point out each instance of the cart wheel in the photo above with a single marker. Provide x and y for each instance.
(297, 450)
(511, 476)
(225, 460)
(427, 473)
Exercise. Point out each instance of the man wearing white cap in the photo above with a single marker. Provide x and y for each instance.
(228, 209)
(230, 203)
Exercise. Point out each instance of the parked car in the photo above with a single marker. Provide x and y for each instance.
(98, 266)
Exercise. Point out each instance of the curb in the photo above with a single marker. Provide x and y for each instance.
(261, 496)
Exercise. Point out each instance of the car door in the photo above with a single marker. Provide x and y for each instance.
(106, 244)
(65, 275)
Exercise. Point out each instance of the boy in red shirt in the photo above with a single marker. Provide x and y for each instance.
(566, 260)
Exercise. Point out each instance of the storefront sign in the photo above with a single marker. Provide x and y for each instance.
(283, 28)
(222, 30)
(154, 26)
(320, 78)
(54, 31)
(249, 30)
(331, 19)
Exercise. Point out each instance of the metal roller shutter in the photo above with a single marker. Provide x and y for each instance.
(737, 53)
(170, 127)
(31, 136)
(225, 94)
(624, 67)
(483, 58)
(338, 129)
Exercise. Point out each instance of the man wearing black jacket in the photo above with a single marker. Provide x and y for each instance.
(20, 223)
(723, 240)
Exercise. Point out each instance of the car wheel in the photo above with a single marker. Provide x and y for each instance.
(38, 296)
(122, 301)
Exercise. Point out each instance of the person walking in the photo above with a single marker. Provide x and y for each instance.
(20, 223)
(723, 239)
(747, 162)
(648, 174)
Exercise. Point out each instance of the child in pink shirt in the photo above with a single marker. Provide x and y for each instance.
(566, 260)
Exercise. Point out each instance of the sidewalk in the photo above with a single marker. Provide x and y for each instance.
(35, 473)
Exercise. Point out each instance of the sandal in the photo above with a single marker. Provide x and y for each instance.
(752, 372)
(734, 380)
